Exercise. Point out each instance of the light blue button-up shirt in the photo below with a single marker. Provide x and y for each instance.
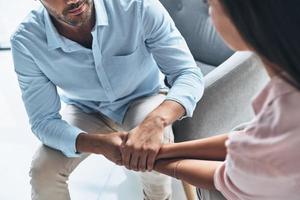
(132, 41)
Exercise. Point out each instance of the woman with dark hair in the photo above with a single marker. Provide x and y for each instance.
(261, 161)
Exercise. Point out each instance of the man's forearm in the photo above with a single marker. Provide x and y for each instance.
(166, 113)
(92, 142)
(212, 148)
(199, 173)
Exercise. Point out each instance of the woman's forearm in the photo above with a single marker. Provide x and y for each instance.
(212, 148)
(199, 173)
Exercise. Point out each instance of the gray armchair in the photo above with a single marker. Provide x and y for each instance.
(192, 19)
(232, 79)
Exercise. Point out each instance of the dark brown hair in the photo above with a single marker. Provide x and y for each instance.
(272, 28)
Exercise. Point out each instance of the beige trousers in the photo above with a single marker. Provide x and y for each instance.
(50, 169)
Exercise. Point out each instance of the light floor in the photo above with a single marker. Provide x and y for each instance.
(95, 179)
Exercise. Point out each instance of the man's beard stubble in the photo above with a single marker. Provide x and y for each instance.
(76, 21)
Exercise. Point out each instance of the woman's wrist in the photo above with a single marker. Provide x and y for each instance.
(165, 152)
(169, 167)
(162, 165)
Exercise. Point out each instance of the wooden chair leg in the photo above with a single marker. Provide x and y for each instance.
(189, 190)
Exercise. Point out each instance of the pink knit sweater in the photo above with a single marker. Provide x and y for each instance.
(263, 160)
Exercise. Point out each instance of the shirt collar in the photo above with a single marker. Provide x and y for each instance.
(55, 40)
(101, 14)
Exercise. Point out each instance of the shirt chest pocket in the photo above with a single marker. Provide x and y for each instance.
(125, 72)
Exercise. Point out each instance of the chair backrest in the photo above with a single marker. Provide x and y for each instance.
(192, 20)
(226, 102)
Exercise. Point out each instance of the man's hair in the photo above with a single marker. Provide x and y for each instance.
(272, 28)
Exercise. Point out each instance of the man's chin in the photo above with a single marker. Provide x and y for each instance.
(76, 22)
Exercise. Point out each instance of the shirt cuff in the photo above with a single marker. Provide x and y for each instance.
(217, 176)
(221, 182)
(68, 141)
(188, 103)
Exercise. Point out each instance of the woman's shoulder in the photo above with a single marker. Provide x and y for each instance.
(272, 140)
(277, 111)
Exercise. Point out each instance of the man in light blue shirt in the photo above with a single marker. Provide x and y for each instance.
(104, 55)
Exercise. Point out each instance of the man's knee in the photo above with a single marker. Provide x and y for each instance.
(140, 109)
(156, 186)
(47, 166)
(49, 173)
(168, 135)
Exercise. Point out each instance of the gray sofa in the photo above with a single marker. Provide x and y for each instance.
(231, 78)
(192, 19)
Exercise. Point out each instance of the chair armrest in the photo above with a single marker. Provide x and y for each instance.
(226, 103)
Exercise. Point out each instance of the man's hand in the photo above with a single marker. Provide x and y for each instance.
(106, 144)
(143, 144)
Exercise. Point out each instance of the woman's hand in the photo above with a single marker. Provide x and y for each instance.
(108, 145)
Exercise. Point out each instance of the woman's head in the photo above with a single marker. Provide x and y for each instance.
(271, 28)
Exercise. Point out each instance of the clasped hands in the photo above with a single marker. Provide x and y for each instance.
(136, 150)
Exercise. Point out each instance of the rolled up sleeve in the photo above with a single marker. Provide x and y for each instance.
(172, 55)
